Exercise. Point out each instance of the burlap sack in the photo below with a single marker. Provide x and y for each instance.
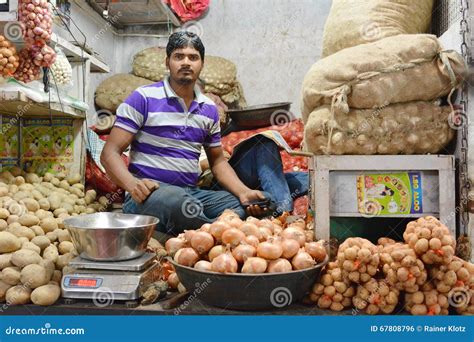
(408, 128)
(396, 69)
(355, 22)
(114, 90)
(150, 64)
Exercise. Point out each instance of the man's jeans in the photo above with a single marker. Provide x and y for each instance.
(259, 166)
(180, 208)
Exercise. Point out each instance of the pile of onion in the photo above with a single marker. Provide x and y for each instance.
(230, 245)
(27, 71)
(36, 21)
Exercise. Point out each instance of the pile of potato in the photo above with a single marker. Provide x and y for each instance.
(431, 240)
(428, 301)
(375, 297)
(425, 274)
(358, 259)
(402, 268)
(34, 246)
(333, 291)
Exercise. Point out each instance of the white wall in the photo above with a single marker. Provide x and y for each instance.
(272, 42)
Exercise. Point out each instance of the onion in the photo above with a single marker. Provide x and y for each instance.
(265, 233)
(252, 219)
(250, 229)
(206, 227)
(232, 236)
(254, 265)
(174, 244)
(316, 250)
(298, 224)
(279, 266)
(243, 252)
(269, 250)
(186, 257)
(290, 248)
(302, 260)
(295, 234)
(235, 222)
(309, 235)
(216, 251)
(252, 240)
(202, 242)
(265, 223)
(173, 280)
(188, 235)
(203, 265)
(217, 228)
(224, 263)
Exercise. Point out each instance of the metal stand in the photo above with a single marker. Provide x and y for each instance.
(440, 170)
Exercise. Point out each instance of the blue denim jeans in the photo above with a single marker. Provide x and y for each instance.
(259, 166)
(180, 208)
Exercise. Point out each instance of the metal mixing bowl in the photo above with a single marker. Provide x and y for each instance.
(111, 236)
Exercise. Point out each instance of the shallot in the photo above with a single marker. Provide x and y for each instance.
(174, 244)
(252, 240)
(203, 265)
(290, 248)
(173, 280)
(269, 250)
(295, 234)
(232, 236)
(316, 250)
(202, 242)
(279, 266)
(224, 263)
(243, 252)
(216, 251)
(217, 228)
(302, 260)
(186, 257)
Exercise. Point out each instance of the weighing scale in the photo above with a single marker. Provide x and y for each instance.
(118, 280)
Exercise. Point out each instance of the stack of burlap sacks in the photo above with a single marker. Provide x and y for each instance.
(219, 77)
(380, 97)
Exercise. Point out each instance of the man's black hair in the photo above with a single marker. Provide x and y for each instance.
(182, 39)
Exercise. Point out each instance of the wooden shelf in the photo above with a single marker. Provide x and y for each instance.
(18, 104)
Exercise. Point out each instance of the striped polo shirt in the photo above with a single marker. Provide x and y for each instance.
(168, 137)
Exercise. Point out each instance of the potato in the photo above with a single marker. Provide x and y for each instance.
(421, 246)
(76, 192)
(25, 257)
(92, 194)
(54, 201)
(29, 220)
(74, 178)
(12, 218)
(66, 247)
(63, 260)
(28, 188)
(21, 231)
(66, 208)
(18, 295)
(52, 236)
(49, 266)
(33, 276)
(3, 225)
(23, 240)
(57, 276)
(11, 275)
(9, 242)
(51, 253)
(37, 230)
(32, 178)
(3, 290)
(48, 177)
(78, 186)
(20, 195)
(63, 235)
(90, 211)
(3, 191)
(48, 224)
(37, 195)
(64, 184)
(4, 213)
(46, 294)
(55, 182)
(5, 260)
(41, 241)
(32, 246)
(31, 204)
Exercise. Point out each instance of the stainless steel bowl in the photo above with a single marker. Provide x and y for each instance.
(111, 236)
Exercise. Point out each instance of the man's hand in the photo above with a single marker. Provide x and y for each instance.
(251, 196)
(142, 189)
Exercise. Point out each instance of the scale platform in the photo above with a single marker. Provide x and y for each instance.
(108, 281)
